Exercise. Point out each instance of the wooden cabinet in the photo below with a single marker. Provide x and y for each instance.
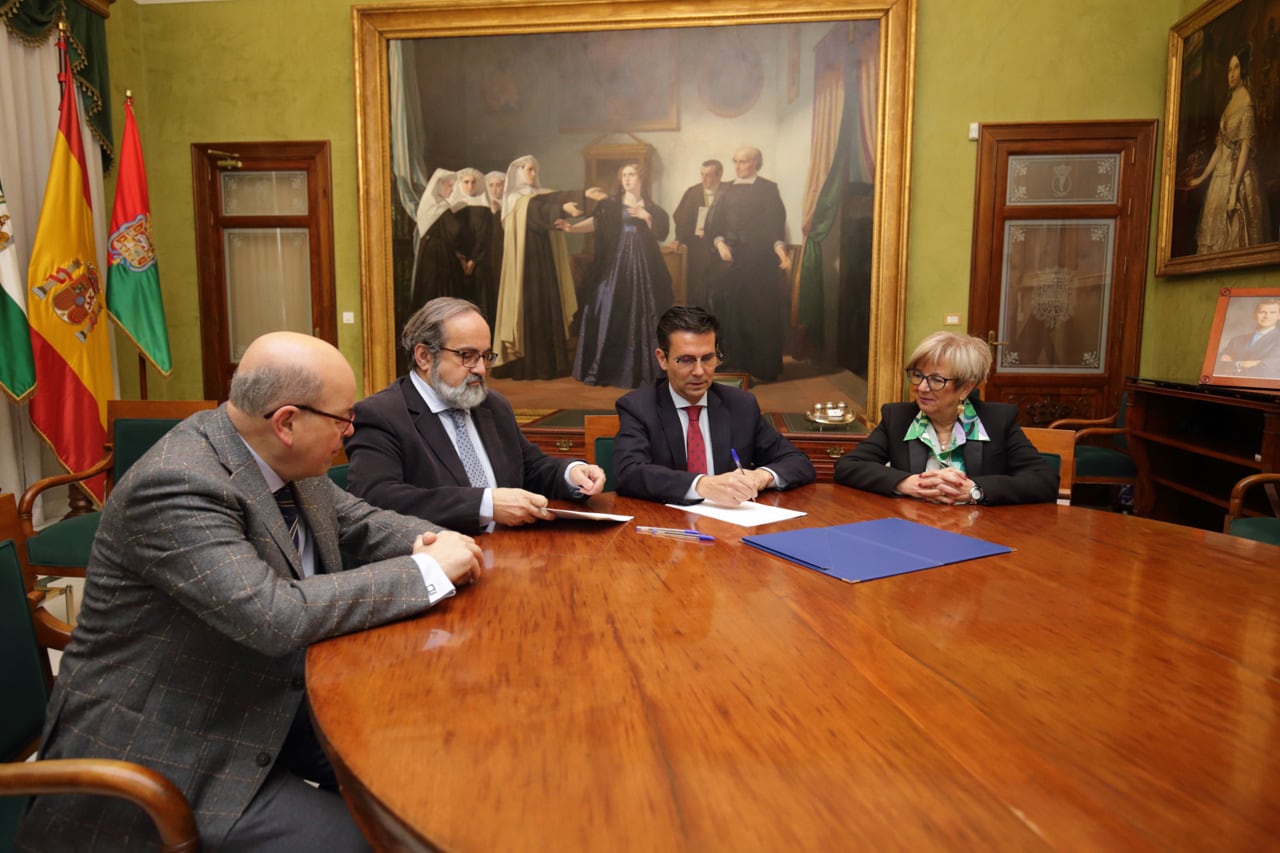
(559, 433)
(1192, 443)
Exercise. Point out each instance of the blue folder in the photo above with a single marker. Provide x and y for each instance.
(873, 549)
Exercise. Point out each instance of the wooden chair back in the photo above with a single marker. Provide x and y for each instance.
(597, 426)
(1061, 443)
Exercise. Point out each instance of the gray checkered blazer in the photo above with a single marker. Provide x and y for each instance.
(188, 656)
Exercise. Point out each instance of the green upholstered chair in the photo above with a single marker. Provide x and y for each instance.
(736, 380)
(1102, 453)
(598, 432)
(339, 475)
(23, 685)
(133, 426)
(1058, 449)
(1261, 528)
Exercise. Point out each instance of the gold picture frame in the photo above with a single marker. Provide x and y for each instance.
(1202, 228)
(376, 27)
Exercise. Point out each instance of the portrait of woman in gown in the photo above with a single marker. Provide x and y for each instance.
(628, 286)
(436, 268)
(1234, 214)
(536, 299)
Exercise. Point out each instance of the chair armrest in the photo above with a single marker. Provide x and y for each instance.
(26, 504)
(1099, 432)
(1065, 423)
(1235, 505)
(153, 793)
(51, 632)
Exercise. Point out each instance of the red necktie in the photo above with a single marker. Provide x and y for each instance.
(696, 450)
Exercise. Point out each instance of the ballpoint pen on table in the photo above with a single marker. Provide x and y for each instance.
(676, 533)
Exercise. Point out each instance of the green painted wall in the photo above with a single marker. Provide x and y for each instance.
(282, 69)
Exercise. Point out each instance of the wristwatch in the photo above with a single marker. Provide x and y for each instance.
(975, 494)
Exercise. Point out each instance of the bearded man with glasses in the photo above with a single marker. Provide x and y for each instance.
(947, 447)
(439, 444)
(686, 438)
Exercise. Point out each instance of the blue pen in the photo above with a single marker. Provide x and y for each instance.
(676, 533)
(736, 460)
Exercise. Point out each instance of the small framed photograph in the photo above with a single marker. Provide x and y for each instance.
(1244, 343)
(1219, 200)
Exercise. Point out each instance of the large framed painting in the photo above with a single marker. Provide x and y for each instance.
(806, 107)
(1220, 175)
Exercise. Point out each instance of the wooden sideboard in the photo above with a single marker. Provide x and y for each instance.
(559, 433)
(1192, 443)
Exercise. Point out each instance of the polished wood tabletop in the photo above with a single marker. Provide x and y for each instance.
(1109, 684)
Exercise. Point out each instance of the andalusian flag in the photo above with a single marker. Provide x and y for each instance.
(64, 305)
(133, 279)
(17, 369)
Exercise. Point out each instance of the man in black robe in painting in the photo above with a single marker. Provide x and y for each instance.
(746, 226)
(690, 222)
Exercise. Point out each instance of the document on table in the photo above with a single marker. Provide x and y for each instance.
(748, 514)
(866, 550)
(588, 516)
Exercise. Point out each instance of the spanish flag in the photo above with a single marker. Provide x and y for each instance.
(65, 305)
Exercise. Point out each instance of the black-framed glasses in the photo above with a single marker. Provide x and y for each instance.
(709, 361)
(345, 420)
(935, 381)
(469, 357)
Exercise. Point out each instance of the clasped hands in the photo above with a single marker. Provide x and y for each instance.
(733, 487)
(944, 486)
(456, 553)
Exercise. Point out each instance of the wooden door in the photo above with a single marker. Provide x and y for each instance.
(1061, 220)
(264, 247)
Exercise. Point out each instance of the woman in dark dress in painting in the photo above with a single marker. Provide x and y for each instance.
(436, 268)
(471, 205)
(536, 299)
(629, 286)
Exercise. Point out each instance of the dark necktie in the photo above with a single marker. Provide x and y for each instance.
(467, 450)
(288, 503)
(696, 449)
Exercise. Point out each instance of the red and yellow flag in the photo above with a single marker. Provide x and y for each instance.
(65, 305)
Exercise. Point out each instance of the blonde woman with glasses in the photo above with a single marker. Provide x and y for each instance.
(946, 447)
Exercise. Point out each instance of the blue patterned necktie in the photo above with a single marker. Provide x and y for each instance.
(288, 503)
(467, 450)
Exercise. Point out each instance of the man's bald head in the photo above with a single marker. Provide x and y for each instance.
(281, 391)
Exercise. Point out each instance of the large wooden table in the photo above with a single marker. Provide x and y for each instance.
(1111, 684)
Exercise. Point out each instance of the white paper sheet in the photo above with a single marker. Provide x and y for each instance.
(588, 516)
(748, 514)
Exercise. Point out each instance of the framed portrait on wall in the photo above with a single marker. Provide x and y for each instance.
(824, 96)
(1244, 343)
(1220, 175)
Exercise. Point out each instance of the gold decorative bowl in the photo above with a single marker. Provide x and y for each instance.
(830, 413)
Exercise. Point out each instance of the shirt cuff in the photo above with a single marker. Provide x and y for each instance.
(486, 508)
(692, 494)
(777, 481)
(439, 587)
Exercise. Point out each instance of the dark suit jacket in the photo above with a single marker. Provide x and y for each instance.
(189, 652)
(1242, 348)
(1008, 468)
(402, 459)
(649, 453)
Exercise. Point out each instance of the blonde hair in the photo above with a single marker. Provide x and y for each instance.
(965, 357)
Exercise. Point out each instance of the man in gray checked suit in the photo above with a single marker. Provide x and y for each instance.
(200, 602)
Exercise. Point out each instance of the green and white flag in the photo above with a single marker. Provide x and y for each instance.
(17, 367)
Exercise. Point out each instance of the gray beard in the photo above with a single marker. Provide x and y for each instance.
(465, 396)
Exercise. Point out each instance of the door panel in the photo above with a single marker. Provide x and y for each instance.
(264, 247)
(1059, 262)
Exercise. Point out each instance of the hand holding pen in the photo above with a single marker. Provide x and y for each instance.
(730, 488)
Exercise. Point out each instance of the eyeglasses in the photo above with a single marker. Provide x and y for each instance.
(933, 380)
(469, 357)
(709, 361)
(342, 419)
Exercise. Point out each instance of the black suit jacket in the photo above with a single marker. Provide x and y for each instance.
(649, 453)
(401, 458)
(1008, 468)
